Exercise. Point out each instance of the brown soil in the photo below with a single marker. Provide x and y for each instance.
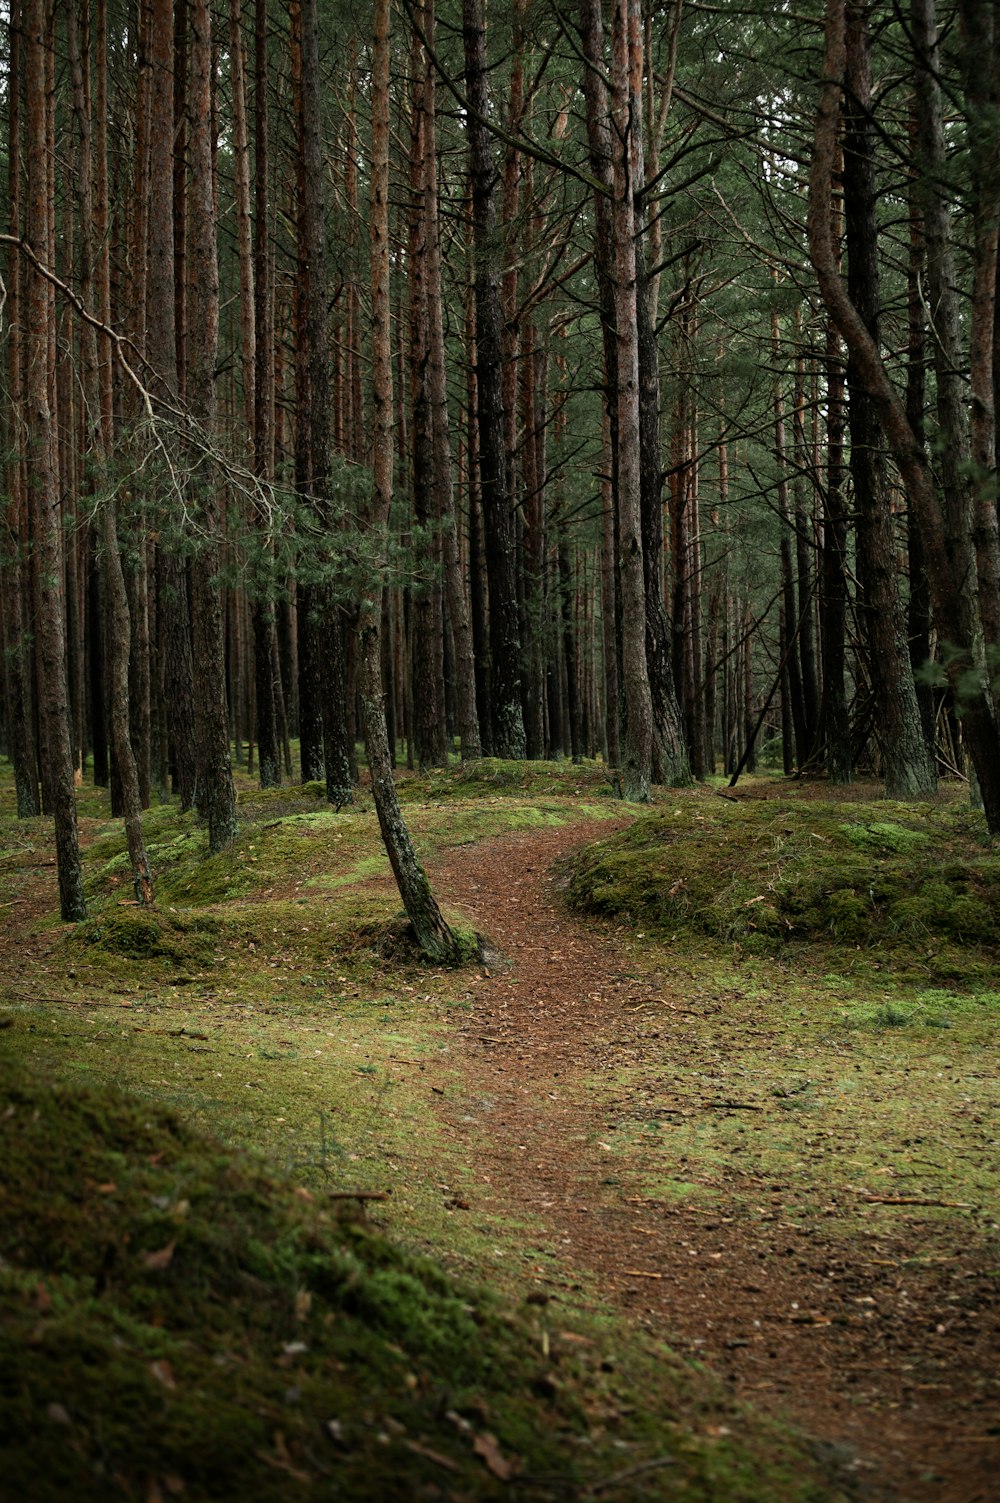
(888, 1368)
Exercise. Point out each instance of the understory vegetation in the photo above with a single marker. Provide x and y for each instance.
(241, 1256)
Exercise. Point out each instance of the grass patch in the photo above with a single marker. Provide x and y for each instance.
(273, 1000)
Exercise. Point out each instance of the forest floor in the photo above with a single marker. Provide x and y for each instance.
(604, 1121)
(882, 1344)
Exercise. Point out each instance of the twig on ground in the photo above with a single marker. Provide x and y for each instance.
(916, 1200)
(631, 1471)
(731, 1106)
(358, 1194)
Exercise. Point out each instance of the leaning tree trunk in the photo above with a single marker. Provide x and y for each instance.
(433, 934)
(945, 528)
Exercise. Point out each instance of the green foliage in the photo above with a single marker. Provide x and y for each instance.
(953, 668)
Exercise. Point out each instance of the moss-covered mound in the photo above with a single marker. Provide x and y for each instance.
(492, 776)
(767, 871)
(177, 1324)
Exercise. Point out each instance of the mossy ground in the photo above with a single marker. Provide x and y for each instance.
(179, 1323)
(775, 874)
(183, 1322)
(833, 968)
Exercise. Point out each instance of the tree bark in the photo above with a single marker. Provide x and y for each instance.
(267, 683)
(43, 495)
(951, 564)
(981, 69)
(14, 571)
(908, 765)
(671, 758)
(119, 633)
(167, 94)
(497, 512)
(833, 629)
(216, 794)
(430, 741)
(433, 934)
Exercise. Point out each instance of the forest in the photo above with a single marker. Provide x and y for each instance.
(534, 462)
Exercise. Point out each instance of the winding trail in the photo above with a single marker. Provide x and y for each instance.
(890, 1369)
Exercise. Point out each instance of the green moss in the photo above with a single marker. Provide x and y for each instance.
(178, 1322)
(144, 934)
(884, 836)
(777, 872)
(492, 776)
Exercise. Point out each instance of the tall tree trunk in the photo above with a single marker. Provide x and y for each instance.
(433, 934)
(803, 524)
(981, 67)
(135, 566)
(267, 679)
(216, 794)
(338, 750)
(599, 145)
(115, 594)
(497, 511)
(626, 81)
(534, 367)
(613, 151)
(478, 591)
(456, 600)
(909, 769)
(790, 657)
(168, 95)
(429, 729)
(833, 635)
(918, 611)
(569, 640)
(609, 639)
(671, 760)
(43, 495)
(14, 568)
(308, 595)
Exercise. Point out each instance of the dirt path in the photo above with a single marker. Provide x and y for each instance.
(888, 1367)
